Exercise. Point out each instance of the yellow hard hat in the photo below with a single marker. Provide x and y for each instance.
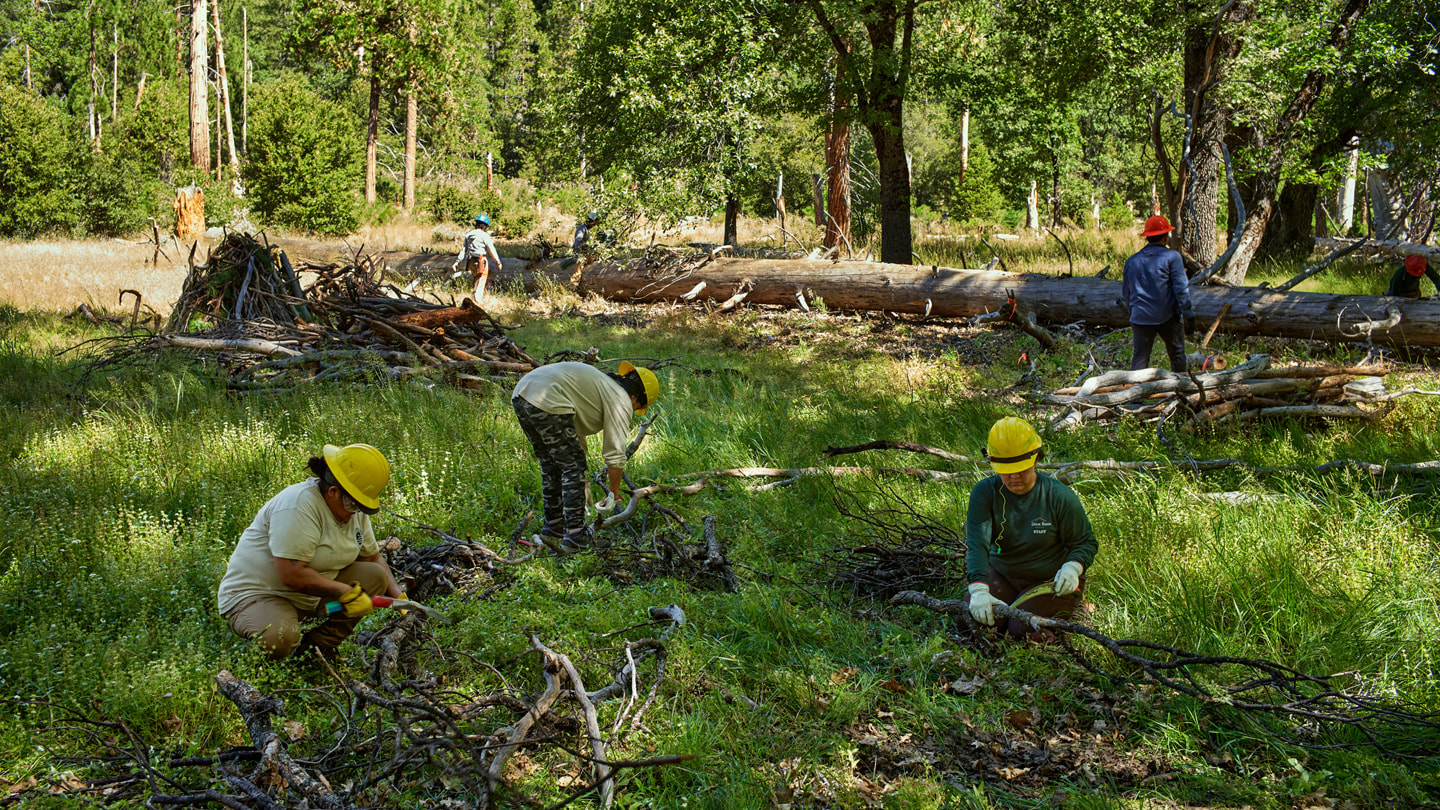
(361, 471)
(1013, 446)
(652, 383)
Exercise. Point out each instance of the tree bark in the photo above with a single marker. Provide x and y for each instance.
(225, 102)
(965, 293)
(199, 87)
(837, 174)
(1208, 47)
(412, 115)
(1291, 233)
(372, 129)
(732, 220)
(1271, 147)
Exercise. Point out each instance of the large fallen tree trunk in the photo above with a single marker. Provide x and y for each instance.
(945, 292)
(1392, 248)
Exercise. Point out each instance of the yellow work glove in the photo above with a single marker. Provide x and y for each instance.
(1067, 579)
(982, 604)
(403, 611)
(354, 604)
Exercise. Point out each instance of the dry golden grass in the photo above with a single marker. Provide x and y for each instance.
(59, 275)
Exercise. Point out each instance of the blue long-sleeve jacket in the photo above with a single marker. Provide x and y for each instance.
(1156, 288)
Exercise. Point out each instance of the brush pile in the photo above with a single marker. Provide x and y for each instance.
(1237, 394)
(247, 307)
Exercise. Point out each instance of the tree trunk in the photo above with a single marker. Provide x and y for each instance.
(1208, 47)
(372, 129)
(837, 173)
(1387, 208)
(889, 137)
(1347, 193)
(964, 143)
(189, 212)
(965, 293)
(1291, 234)
(225, 104)
(412, 115)
(199, 87)
(1271, 147)
(1032, 208)
(732, 220)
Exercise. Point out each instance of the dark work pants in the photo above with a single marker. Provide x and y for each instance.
(561, 453)
(1143, 336)
(1049, 606)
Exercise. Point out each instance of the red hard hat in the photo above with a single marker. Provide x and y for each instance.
(1415, 265)
(1156, 225)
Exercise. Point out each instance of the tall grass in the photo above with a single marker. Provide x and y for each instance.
(122, 501)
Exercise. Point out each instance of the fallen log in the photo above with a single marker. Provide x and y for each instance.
(1393, 248)
(948, 293)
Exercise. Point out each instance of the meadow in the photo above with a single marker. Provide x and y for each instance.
(124, 492)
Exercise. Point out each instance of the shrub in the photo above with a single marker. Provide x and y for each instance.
(452, 203)
(40, 166)
(304, 160)
(1116, 215)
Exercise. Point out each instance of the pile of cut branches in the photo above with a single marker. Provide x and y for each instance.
(899, 549)
(401, 731)
(271, 334)
(1238, 394)
(671, 550)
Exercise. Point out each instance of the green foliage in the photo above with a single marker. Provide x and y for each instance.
(453, 203)
(40, 175)
(1115, 215)
(304, 161)
(110, 596)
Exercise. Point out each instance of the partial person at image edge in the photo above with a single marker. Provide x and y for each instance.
(310, 556)
(1024, 528)
(1406, 281)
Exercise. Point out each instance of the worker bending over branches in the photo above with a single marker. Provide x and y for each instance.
(1406, 281)
(558, 405)
(1024, 529)
(310, 555)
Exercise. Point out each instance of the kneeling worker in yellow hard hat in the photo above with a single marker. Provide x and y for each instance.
(310, 555)
(558, 405)
(1024, 529)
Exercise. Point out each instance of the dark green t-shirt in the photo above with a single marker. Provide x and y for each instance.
(1025, 537)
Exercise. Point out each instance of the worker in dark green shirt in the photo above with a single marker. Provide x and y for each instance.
(1406, 281)
(1022, 529)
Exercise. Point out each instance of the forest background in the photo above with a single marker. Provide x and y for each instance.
(996, 115)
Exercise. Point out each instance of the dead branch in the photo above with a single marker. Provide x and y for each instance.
(1311, 704)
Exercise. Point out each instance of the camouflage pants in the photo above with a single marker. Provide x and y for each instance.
(561, 453)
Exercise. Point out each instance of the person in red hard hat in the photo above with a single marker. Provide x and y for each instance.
(1406, 281)
(1157, 293)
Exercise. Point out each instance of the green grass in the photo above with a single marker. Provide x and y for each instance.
(121, 502)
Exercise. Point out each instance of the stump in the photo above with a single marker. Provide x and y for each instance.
(189, 212)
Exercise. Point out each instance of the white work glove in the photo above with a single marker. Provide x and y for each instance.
(1067, 579)
(982, 604)
(606, 504)
(455, 266)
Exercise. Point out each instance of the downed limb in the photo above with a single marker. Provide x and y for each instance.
(1264, 688)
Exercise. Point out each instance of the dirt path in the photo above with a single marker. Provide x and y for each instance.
(61, 275)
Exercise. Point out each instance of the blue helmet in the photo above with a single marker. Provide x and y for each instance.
(482, 219)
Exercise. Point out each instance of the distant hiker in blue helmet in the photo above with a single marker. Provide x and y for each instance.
(478, 255)
(581, 243)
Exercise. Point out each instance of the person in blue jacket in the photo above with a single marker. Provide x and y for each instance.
(1157, 293)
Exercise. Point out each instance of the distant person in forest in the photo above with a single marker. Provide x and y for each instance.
(1024, 529)
(310, 556)
(1157, 294)
(478, 255)
(581, 245)
(1406, 281)
(558, 405)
